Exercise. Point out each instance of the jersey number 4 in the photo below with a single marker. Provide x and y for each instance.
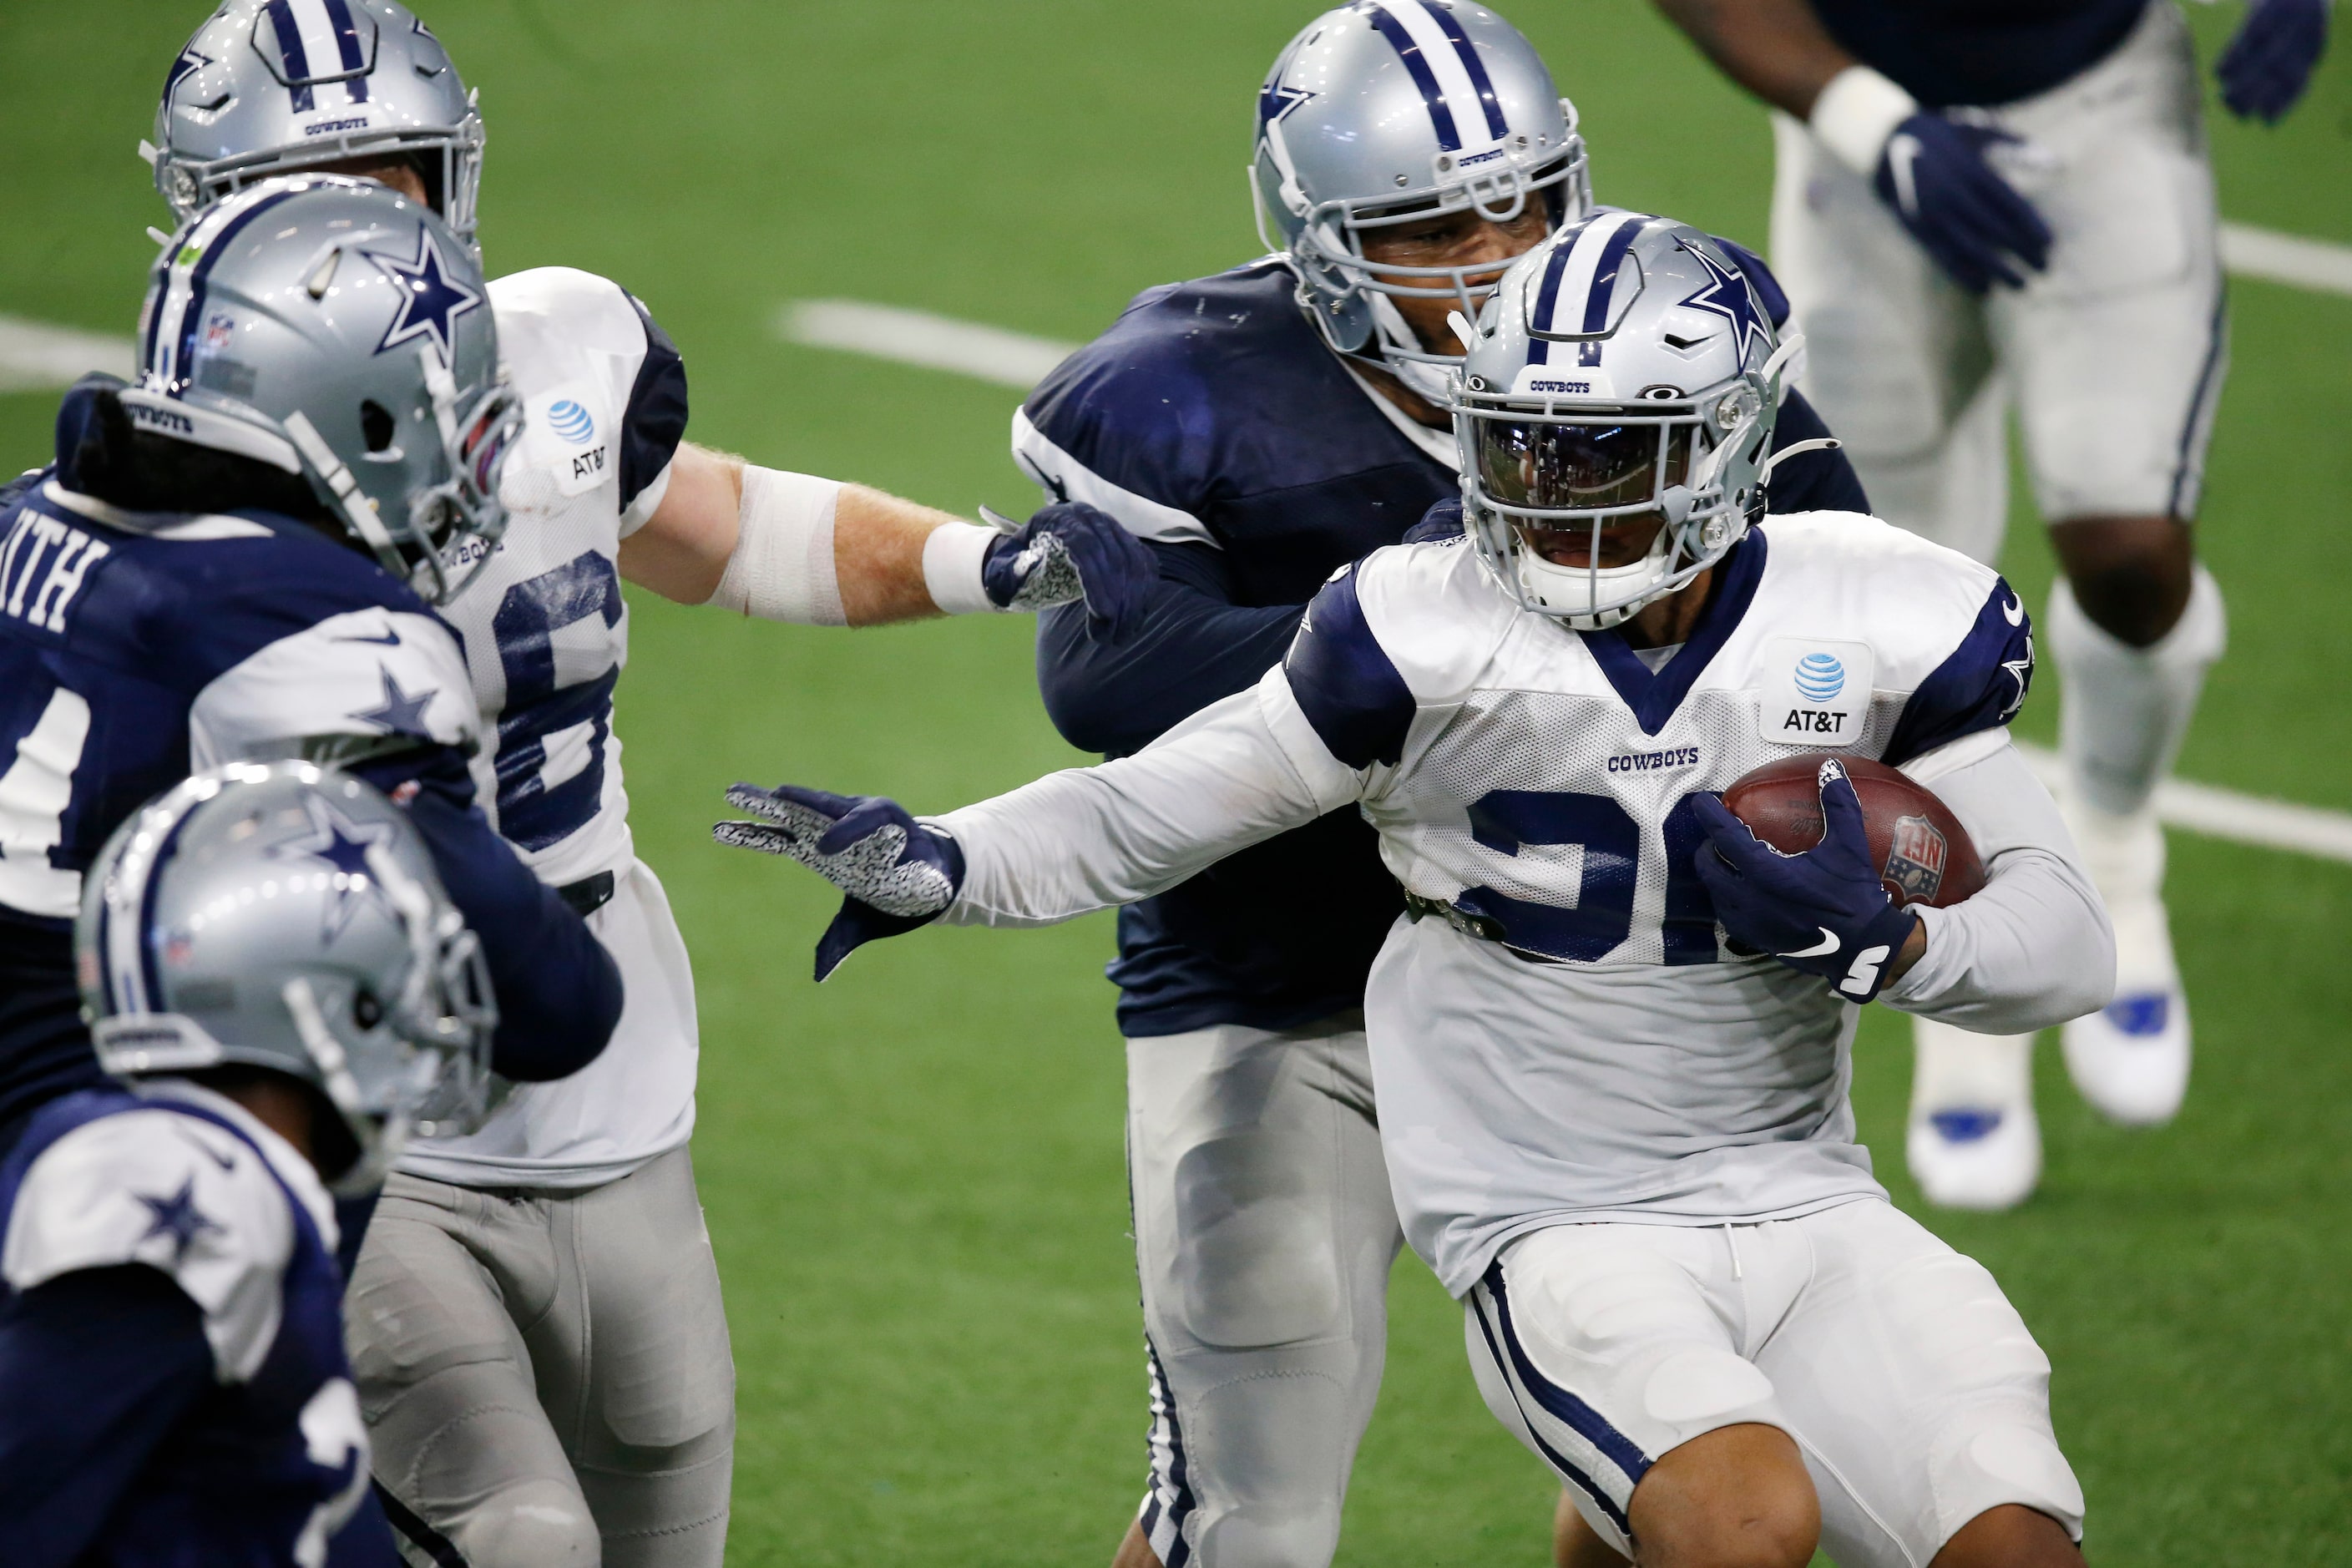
(34, 794)
(1520, 821)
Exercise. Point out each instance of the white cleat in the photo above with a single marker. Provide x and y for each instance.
(1974, 1142)
(2130, 1059)
(1976, 1157)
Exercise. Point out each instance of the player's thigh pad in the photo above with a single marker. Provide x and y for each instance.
(1264, 1232)
(2116, 354)
(1919, 1395)
(647, 1409)
(1602, 1347)
(461, 1442)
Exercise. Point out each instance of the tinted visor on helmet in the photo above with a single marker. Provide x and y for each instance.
(1545, 466)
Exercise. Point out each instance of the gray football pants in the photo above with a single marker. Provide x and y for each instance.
(1264, 1236)
(545, 1375)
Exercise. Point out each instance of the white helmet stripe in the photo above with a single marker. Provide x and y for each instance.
(1443, 61)
(1597, 251)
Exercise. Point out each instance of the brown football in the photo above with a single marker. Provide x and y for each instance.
(1923, 853)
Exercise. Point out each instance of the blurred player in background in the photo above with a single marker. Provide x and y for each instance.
(174, 1387)
(1985, 207)
(538, 1330)
(1611, 1035)
(1261, 428)
(218, 567)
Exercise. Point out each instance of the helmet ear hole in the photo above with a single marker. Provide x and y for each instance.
(377, 426)
(366, 1011)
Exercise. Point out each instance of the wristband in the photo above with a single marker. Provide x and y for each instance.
(952, 556)
(782, 567)
(1855, 114)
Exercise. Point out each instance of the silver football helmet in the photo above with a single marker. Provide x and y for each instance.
(268, 86)
(1383, 112)
(1624, 376)
(286, 916)
(334, 329)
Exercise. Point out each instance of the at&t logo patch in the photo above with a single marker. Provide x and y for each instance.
(1814, 694)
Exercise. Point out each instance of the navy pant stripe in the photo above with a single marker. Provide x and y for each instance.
(2189, 464)
(1585, 1420)
(1553, 1457)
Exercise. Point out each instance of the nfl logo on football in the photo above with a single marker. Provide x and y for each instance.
(1916, 864)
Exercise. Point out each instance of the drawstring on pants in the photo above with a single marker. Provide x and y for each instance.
(1732, 1242)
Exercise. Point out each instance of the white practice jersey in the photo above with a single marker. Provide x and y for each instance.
(1576, 1040)
(546, 634)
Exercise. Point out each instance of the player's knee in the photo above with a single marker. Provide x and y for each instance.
(532, 1524)
(1260, 1535)
(1735, 1498)
(2131, 576)
(1256, 1264)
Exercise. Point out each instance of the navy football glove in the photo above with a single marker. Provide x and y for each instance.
(1934, 174)
(2269, 63)
(1442, 522)
(1064, 552)
(897, 873)
(1823, 911)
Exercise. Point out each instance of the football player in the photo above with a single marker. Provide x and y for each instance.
(275, 971)
(1612, 1033)
(218, 566)
(572, 1212)
(1984, 208)
(1259, 429)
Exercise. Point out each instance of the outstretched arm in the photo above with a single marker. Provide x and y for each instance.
(1235, 774)
(792, 547)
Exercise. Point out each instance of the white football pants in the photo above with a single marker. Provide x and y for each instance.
(1908, 1382)
(546, 1374)
(1264, 1236)
(2112, 359)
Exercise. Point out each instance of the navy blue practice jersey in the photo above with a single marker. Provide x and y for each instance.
(173, 1383)
(1947, 52)
(1214, 421)
(137, 648)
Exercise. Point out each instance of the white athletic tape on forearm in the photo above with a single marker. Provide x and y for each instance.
(782, 567)
(952, 559)
(1856, 113)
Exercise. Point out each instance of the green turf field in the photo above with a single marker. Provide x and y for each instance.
(914, 1174)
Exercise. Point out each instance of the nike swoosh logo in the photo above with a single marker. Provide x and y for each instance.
(389, 639)
(1829, 945)
(2014, 611)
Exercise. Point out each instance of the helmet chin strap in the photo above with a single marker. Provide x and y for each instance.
(1430, 382)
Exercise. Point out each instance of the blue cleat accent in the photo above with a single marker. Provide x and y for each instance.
(2143, 1015)
(1965, 1125)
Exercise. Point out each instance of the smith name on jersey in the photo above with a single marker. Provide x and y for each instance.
(136, 648)
(170, 1320)
(1213, 421)
(1566, 1034)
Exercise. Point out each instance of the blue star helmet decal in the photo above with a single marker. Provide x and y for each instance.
(342, 845)
(189, 60)
(430, 301)
(1727, 295)
(1276, 101)
(177, 1217)
(400, 713)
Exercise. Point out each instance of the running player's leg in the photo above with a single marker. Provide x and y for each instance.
(642, 1390)
(1900, 367)
(468, 1464)
(2118, 356)
(1613, 1352)
(1919, 1397)
(1264, 1234)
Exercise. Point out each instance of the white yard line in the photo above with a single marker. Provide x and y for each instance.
(34, 356)
(2289, 259)
(918, 338)
(2225, 814)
